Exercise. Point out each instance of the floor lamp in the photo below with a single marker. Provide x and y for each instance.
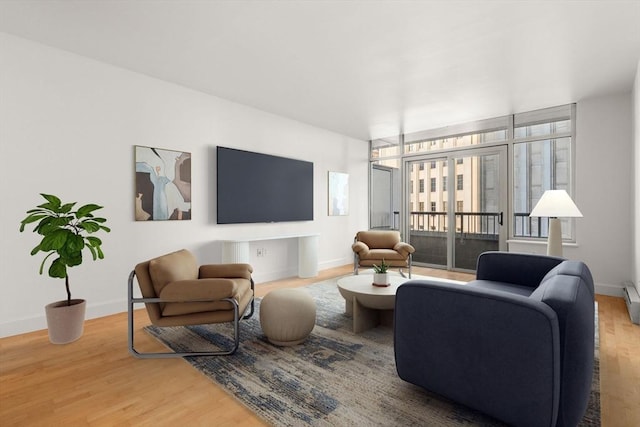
(555, 204)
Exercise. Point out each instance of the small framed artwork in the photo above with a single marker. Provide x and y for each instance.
(163, 184)
(338, 193)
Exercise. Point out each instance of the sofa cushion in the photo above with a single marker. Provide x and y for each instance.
(518, 268)
(379, 239)
(180, 265)
(572, 268)
(237, 287)
(386, 254)
(230, 271)
(501, 286)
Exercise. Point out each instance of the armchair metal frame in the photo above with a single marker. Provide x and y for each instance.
(163, 355)
(356, 265)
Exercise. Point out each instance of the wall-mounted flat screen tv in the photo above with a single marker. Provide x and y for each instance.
(255, 187)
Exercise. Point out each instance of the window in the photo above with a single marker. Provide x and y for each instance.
(460, 206)
(411, 186)
(421, 183)
(421, 204)
(541, 162)
(464, 135)
(444, 206)
(384, 191)
(541, 147)
(385, 147)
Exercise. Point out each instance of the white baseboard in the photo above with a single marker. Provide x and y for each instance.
(23, 325)
(293, 272)
(610, 290)
(274, 275)
(338, 262)
(37, 323)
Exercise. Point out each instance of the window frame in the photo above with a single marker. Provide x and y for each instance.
(428, 138)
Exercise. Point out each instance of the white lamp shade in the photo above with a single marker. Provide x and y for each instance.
(556, 204)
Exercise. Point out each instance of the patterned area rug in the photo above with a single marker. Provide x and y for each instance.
(336, 378)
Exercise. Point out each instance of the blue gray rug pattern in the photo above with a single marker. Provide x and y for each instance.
(336, 378)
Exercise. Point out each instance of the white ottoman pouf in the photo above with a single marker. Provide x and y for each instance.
(287, 316)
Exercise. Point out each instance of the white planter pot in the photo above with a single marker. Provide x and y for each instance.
(65, 322)
(381, 279)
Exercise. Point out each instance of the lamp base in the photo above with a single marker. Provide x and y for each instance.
(554, 242)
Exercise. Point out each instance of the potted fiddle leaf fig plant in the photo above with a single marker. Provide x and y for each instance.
(66, 233)
(380, 274)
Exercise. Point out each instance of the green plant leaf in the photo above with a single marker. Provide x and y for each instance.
(46, 211)
(54, 202)
(58, 269)
(72, 258)
(66, 208)
(55, 240)
(94, 254)
(74, 243)
(51, 224)
(42, 225)
(93, 241)
(44, 261)
(31, 218)
(86, 210)
(89, 226)
(34, 217)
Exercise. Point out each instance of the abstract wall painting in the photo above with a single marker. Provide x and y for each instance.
(163, 184)
(338, 194)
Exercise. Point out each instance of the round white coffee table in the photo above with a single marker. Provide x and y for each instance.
(369, 305)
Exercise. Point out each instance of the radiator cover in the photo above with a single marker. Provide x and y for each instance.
(632, 300)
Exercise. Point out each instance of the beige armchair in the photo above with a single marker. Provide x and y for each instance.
(178, 293)
(371, 247)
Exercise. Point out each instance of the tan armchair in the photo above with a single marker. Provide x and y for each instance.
(371, 247)
(178, 293)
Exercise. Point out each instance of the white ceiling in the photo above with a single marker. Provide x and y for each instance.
(365, 69)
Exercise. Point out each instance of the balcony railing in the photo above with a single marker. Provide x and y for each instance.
(526, 226)
(476, 232)
(485, 223)
(479, 223)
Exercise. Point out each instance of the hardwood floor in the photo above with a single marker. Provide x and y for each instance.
(95, 381)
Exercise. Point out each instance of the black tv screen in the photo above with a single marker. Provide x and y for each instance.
(254, 187)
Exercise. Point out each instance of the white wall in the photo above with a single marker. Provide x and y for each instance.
(603, 173)
(635, 196)
(68, 127)
(603, 185)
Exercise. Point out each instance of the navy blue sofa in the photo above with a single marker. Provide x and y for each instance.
(516, 344)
